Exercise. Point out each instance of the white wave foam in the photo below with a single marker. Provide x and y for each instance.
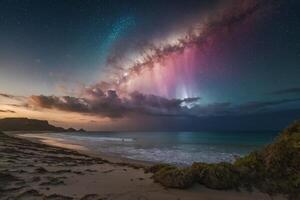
(167, 155)
(102, 138)
(178, 154)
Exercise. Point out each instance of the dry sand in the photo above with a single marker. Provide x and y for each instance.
(32, 170)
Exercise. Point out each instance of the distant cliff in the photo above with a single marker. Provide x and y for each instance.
(25, 124)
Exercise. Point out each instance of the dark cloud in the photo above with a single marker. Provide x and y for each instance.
(294, 90)
(152, 104)
(6, 95)
(213, 109)
(227, 108)
(14, 97)
(110, 104)
(65, 103)
(22, 105)
(256, 106)
(7, 111)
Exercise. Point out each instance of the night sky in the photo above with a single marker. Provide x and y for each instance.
(151, 65)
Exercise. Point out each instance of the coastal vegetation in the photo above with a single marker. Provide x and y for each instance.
(275, 169)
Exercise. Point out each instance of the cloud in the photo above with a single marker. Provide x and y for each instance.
(65, 103)
(152, 104)
(294, 90)
(7, 95)
(7, 111)
(110, 104)
(12, 97)
(255, 106)
(12, 101)
(212, 109)
(251, 107)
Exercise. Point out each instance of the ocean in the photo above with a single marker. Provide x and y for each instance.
(179, 148)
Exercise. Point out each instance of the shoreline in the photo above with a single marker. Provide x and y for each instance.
(137, 152)
(115, 159)
(34, 170)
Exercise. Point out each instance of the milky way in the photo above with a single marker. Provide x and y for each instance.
(169, 67)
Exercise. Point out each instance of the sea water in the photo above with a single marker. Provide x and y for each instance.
(180, 148)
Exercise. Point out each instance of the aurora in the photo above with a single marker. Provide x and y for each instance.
(116, 65)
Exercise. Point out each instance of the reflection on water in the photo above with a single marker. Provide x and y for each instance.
(58, 142)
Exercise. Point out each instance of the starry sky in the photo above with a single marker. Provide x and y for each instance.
(151, 65)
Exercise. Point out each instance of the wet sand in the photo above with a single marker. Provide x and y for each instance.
(30, 169)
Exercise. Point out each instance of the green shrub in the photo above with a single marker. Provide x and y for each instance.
(175, 178)
(199, 168)
(219, 176)
(158, 167)
(251, 169)
(275, 168)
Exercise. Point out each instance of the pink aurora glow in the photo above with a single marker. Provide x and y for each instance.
(173, 76)
(172, 67)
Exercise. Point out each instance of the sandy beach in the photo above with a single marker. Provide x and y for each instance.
(30, 169)
(149, 100)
